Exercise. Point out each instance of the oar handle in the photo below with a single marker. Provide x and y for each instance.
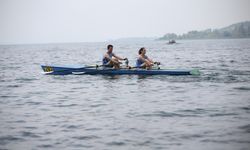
(157, 63)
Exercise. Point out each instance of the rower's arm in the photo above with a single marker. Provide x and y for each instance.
(119, 58)
(145, 60)
(155, 62)
(150, 60)
(110, 59)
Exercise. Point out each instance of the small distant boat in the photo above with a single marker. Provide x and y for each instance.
(95, 70)
(171, 42)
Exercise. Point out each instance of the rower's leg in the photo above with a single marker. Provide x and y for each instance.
(144, 65)
(148, 66)
(116, 63)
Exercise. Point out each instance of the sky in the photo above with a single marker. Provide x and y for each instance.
(56, 21)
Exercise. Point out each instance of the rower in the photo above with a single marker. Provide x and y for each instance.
(143, 61)
(110, 59)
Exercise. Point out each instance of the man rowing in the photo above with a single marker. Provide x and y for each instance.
(143, 61)
(110, 59)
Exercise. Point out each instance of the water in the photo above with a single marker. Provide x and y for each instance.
(210, 111)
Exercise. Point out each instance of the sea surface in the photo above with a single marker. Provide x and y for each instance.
(209, 112)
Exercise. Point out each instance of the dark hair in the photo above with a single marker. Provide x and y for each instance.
(109, 46)
(140, 50)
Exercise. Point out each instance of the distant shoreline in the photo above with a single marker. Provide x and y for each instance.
(104, 42)
(238, 30)
(206, 39)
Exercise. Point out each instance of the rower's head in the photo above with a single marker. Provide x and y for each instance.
(110, 48)
(142, 51)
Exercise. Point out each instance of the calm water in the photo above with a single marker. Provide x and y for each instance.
(210, 111)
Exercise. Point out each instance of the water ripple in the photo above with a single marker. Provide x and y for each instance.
(116, 143)
(87, 137)
(166, 114)
(209, 111)
(8, 139)
(246, 128)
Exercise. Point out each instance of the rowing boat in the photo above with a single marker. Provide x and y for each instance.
(94, 70)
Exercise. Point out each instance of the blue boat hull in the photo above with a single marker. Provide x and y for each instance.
(81, 70)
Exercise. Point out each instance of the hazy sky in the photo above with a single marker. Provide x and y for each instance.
(46, 21)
